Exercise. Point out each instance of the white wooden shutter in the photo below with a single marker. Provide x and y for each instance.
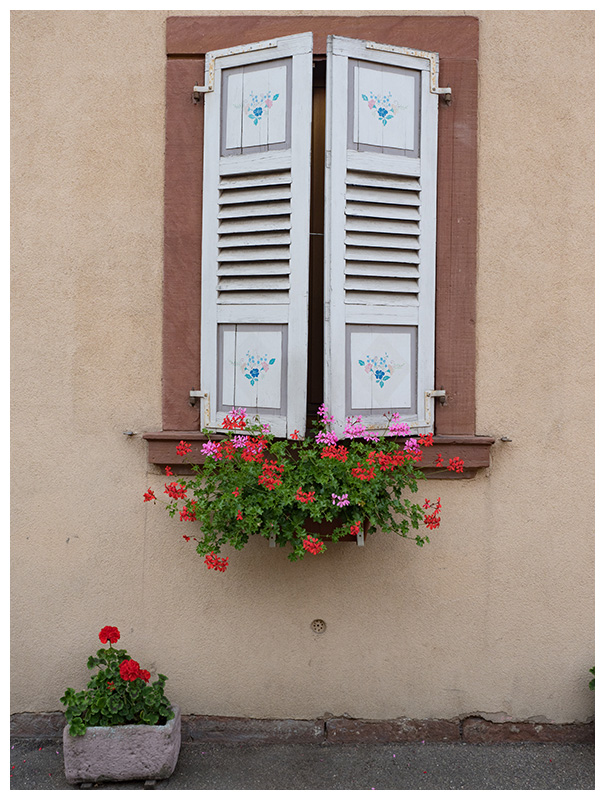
(255, 232)
(380, 232)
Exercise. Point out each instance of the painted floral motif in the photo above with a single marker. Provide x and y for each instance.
(379, 367)
(258, 104)
(383, 107)
(255, 367)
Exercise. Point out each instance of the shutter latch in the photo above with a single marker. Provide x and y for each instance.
(428, 406)
(440, 393)
(204, 398)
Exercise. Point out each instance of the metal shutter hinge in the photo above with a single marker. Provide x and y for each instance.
(212, 56)
(433, 60)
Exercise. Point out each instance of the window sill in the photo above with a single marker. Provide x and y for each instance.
(473, 450)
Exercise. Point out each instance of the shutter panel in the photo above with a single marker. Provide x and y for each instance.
(380, 232)
(255, 232)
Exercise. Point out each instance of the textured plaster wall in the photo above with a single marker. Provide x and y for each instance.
(496, 615)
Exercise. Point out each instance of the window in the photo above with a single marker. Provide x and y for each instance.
(455, 39)
(379, 233)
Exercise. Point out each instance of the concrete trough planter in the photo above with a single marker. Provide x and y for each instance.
(123, 752)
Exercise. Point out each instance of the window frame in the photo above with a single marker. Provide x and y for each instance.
(456, 40)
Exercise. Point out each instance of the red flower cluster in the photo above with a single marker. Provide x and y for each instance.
(147, 496)
(305, 497)
(270, 477)
(130, 671)
(188, 513)
(175, 490)
(168, 471)
(388, 460)
(432, 521)
(295, 435)
(363, 474)
(313, 546)
(439, 460)
(214, 562)
(109, 634)
(235, 492)
(227, 450)
(239, 514)
(253, 451)
(183, 448)
(337, 451)
(456, 465)
(356, 528)
(237, 420)
(426, 439)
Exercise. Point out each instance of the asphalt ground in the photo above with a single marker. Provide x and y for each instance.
(38, 764)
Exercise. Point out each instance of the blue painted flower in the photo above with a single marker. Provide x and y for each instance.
(258, 111)
(382, 112)
(254, 373)
(379, 374)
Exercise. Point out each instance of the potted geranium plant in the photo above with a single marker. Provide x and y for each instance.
(251, 483)
(122, 727)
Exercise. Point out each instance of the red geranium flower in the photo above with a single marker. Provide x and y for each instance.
(363, 474)
(109, 634)
(313, 545)
(130, 670)
(456, 465)
(175, 490)
(214, 562)
(183, 448)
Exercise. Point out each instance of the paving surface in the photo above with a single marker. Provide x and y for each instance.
(38, 764)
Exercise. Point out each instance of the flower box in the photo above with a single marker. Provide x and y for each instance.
(252, 483)
(323, 531)
(123, 752)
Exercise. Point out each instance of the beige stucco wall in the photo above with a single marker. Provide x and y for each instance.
(496, 615)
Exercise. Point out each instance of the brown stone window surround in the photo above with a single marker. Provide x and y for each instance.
(456, 40)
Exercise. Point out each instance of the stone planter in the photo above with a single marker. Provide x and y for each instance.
(123, 752)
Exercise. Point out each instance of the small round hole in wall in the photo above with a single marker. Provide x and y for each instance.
(318, 626)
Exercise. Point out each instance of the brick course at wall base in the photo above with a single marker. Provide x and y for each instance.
(339, 730)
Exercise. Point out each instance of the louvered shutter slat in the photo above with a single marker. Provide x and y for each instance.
(254, 210)
(253, 225)
(381, 211)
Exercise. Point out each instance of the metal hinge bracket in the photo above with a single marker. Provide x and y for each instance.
(213, 55)
(432, 57)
